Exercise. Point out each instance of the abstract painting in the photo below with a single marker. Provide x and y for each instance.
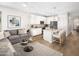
(14, 21)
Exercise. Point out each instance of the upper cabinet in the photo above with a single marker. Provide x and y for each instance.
(35, 19)
(49, 19)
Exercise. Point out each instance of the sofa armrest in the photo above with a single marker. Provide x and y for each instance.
(7, 47)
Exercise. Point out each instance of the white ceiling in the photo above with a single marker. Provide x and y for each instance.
(43, 8)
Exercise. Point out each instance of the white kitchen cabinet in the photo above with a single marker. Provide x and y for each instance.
(47, 35)
(35, 19)
(36, 31)
(51, 19)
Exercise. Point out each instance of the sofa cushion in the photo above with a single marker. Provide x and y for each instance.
(14, 37)
(13, 32)
(6, 34)
(21, 31)
(1, 35)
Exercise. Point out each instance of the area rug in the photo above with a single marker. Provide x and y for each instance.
(38, 50)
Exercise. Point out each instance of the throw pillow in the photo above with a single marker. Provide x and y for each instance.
(22, 31)
(13, 32)
(6, 34)
(1, 35)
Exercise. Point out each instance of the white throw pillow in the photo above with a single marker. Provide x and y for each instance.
(6, 34)
(22, 31)
(1, 35)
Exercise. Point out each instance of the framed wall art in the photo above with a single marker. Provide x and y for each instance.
(13, 21)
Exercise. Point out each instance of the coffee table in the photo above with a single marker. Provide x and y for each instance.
(28, 48)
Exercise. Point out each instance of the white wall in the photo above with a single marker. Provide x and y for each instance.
(63, 23)
(73, 20)
(70, 24)
(6, 11)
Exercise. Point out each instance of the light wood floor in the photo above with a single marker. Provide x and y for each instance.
(71, 47)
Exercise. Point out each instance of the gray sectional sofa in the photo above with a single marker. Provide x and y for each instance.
(15, 37)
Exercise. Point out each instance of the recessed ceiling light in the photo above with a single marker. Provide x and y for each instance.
(24, 5)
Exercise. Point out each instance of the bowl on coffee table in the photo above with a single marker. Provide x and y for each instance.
(24, 43)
